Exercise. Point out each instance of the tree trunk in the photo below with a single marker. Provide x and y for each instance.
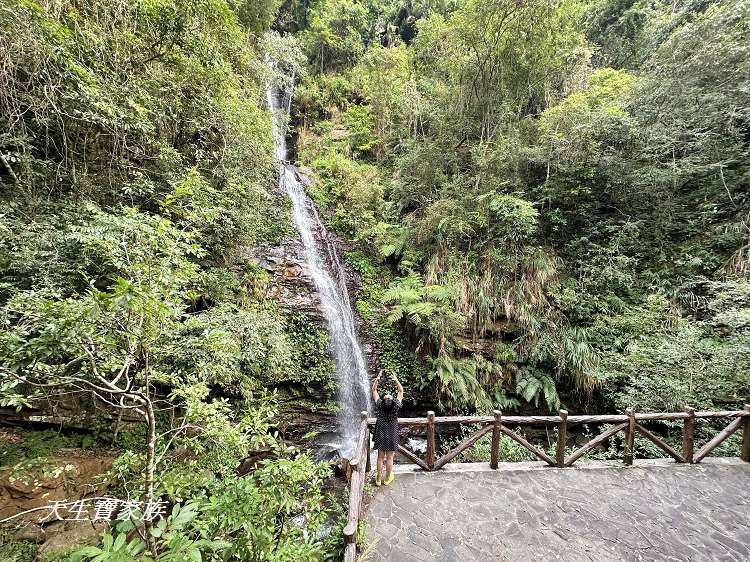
(149, 481)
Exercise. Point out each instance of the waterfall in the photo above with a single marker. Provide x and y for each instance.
(324, 263)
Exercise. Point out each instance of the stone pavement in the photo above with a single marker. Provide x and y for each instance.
(654, 510)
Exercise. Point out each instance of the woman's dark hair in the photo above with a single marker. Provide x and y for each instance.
(388, 409)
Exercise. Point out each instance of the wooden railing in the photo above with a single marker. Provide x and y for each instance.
(359, 467)
(630, 423)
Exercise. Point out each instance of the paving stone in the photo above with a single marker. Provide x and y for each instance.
(652, 511)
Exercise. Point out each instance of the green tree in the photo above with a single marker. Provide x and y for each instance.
(334, 37)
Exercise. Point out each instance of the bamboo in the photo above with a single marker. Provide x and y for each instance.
(462, 446)
(688, 435)
(430, 456)
(594, 442)
(562, 438)
(496, 427)
(716, 441)
(660, 442)
(520, 440)
(629, 438)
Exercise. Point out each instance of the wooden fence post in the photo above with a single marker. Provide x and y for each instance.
(746, 436)
(688, 435)
(495, 454)
(364, 417)
(629, 437)
(562, 437)
(431, 439)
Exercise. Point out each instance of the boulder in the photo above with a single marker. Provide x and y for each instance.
(31, 532)
(65, 535)
(65, 477)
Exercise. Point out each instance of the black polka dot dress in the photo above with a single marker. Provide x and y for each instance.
(386, 426)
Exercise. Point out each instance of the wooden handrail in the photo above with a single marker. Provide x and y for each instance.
(350, 530)
(562, 439)
(497, 428)
(716, 441)
(413, 458)
(629, 453)
(430, 453)
(630, 422)
(660, 442)
(745, 454)
(359, 466)
(593, 443)
(462, 446)
(547, 420)
(499, 425)
(521, 441)
(688, 435)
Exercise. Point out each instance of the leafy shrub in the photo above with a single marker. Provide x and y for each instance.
(275, 513)
(12, 550)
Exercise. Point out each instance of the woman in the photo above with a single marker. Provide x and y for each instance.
(386, 428)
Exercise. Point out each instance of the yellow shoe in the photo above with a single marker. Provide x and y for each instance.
(378, 483)
(390, 479)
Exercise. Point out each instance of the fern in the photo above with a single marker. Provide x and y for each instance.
(457, 381)
(532, 387)
(529, 387)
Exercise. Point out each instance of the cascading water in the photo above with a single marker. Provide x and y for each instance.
(323, 261)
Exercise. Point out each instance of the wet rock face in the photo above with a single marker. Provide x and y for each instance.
(291, 284)
(292, 287)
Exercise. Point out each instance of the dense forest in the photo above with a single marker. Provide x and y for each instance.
(541, 203)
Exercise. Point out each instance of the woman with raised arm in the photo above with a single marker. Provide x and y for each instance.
(386, 428)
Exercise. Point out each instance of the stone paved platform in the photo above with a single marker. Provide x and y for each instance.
(655, 510)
